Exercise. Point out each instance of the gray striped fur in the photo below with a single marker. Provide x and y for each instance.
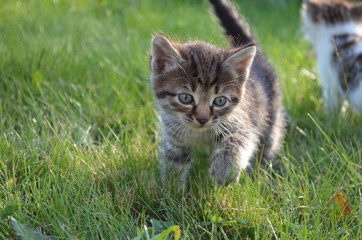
(250, 124)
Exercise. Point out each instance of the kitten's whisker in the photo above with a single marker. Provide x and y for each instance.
(225, 129)
(221, 131)
(215, 135)
(177, 130)
(184, 130)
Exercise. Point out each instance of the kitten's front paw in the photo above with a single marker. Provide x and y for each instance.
(171, 170)
(224, 169)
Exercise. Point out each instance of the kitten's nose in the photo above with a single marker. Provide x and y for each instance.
(202, 120)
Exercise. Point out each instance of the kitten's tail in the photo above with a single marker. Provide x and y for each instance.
(234, 24)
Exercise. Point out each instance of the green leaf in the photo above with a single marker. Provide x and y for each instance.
(25, 232)
(167, 232)
(160, 225)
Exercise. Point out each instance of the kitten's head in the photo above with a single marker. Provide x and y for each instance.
(196, 83)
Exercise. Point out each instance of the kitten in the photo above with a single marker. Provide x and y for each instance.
(227, 100)
(334, 27)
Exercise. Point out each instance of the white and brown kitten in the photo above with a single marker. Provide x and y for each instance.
(227, 100)
(334, 27)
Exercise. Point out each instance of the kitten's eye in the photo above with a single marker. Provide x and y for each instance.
(185, 98)
(220, 101)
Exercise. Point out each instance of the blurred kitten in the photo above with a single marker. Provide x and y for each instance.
(227, 100)
(334, 27)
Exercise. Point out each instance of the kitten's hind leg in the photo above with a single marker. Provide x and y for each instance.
(231, 156)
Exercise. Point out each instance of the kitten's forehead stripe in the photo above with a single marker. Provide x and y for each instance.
(195, 72)
(217, 88)
(216, 66)
(194, 67)
(205, 64)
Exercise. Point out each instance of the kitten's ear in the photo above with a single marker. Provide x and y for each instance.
(164, 56)
(241, 60)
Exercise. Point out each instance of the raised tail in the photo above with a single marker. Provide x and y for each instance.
(233, 23)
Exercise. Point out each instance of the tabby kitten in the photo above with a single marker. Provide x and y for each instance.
(334, 27)
(227, 100)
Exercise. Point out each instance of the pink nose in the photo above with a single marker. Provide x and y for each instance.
(202, 120)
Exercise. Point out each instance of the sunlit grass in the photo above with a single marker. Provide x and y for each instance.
(78, 129)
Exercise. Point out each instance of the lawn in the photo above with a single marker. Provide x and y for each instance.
(78, 130)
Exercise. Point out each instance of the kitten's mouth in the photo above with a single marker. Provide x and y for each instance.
(200, 128)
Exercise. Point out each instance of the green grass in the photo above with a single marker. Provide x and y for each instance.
(78, 129)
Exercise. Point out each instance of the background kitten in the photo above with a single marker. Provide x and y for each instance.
(334, 27)
(227, 100)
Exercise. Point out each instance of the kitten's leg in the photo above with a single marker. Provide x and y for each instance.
(355, 97)
(332, 99)
(231, 156)
(273, 141)
(174, 161)
(331, 89)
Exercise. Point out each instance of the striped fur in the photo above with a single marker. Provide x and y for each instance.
(236, 113)
(334, 27)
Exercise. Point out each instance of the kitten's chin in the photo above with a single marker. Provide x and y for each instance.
(199, 128)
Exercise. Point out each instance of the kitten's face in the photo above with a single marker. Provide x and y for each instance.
(197, 84)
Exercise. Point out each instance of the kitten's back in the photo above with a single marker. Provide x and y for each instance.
(334, 28)
(239, 33)
(333, 11)
(264, 79)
